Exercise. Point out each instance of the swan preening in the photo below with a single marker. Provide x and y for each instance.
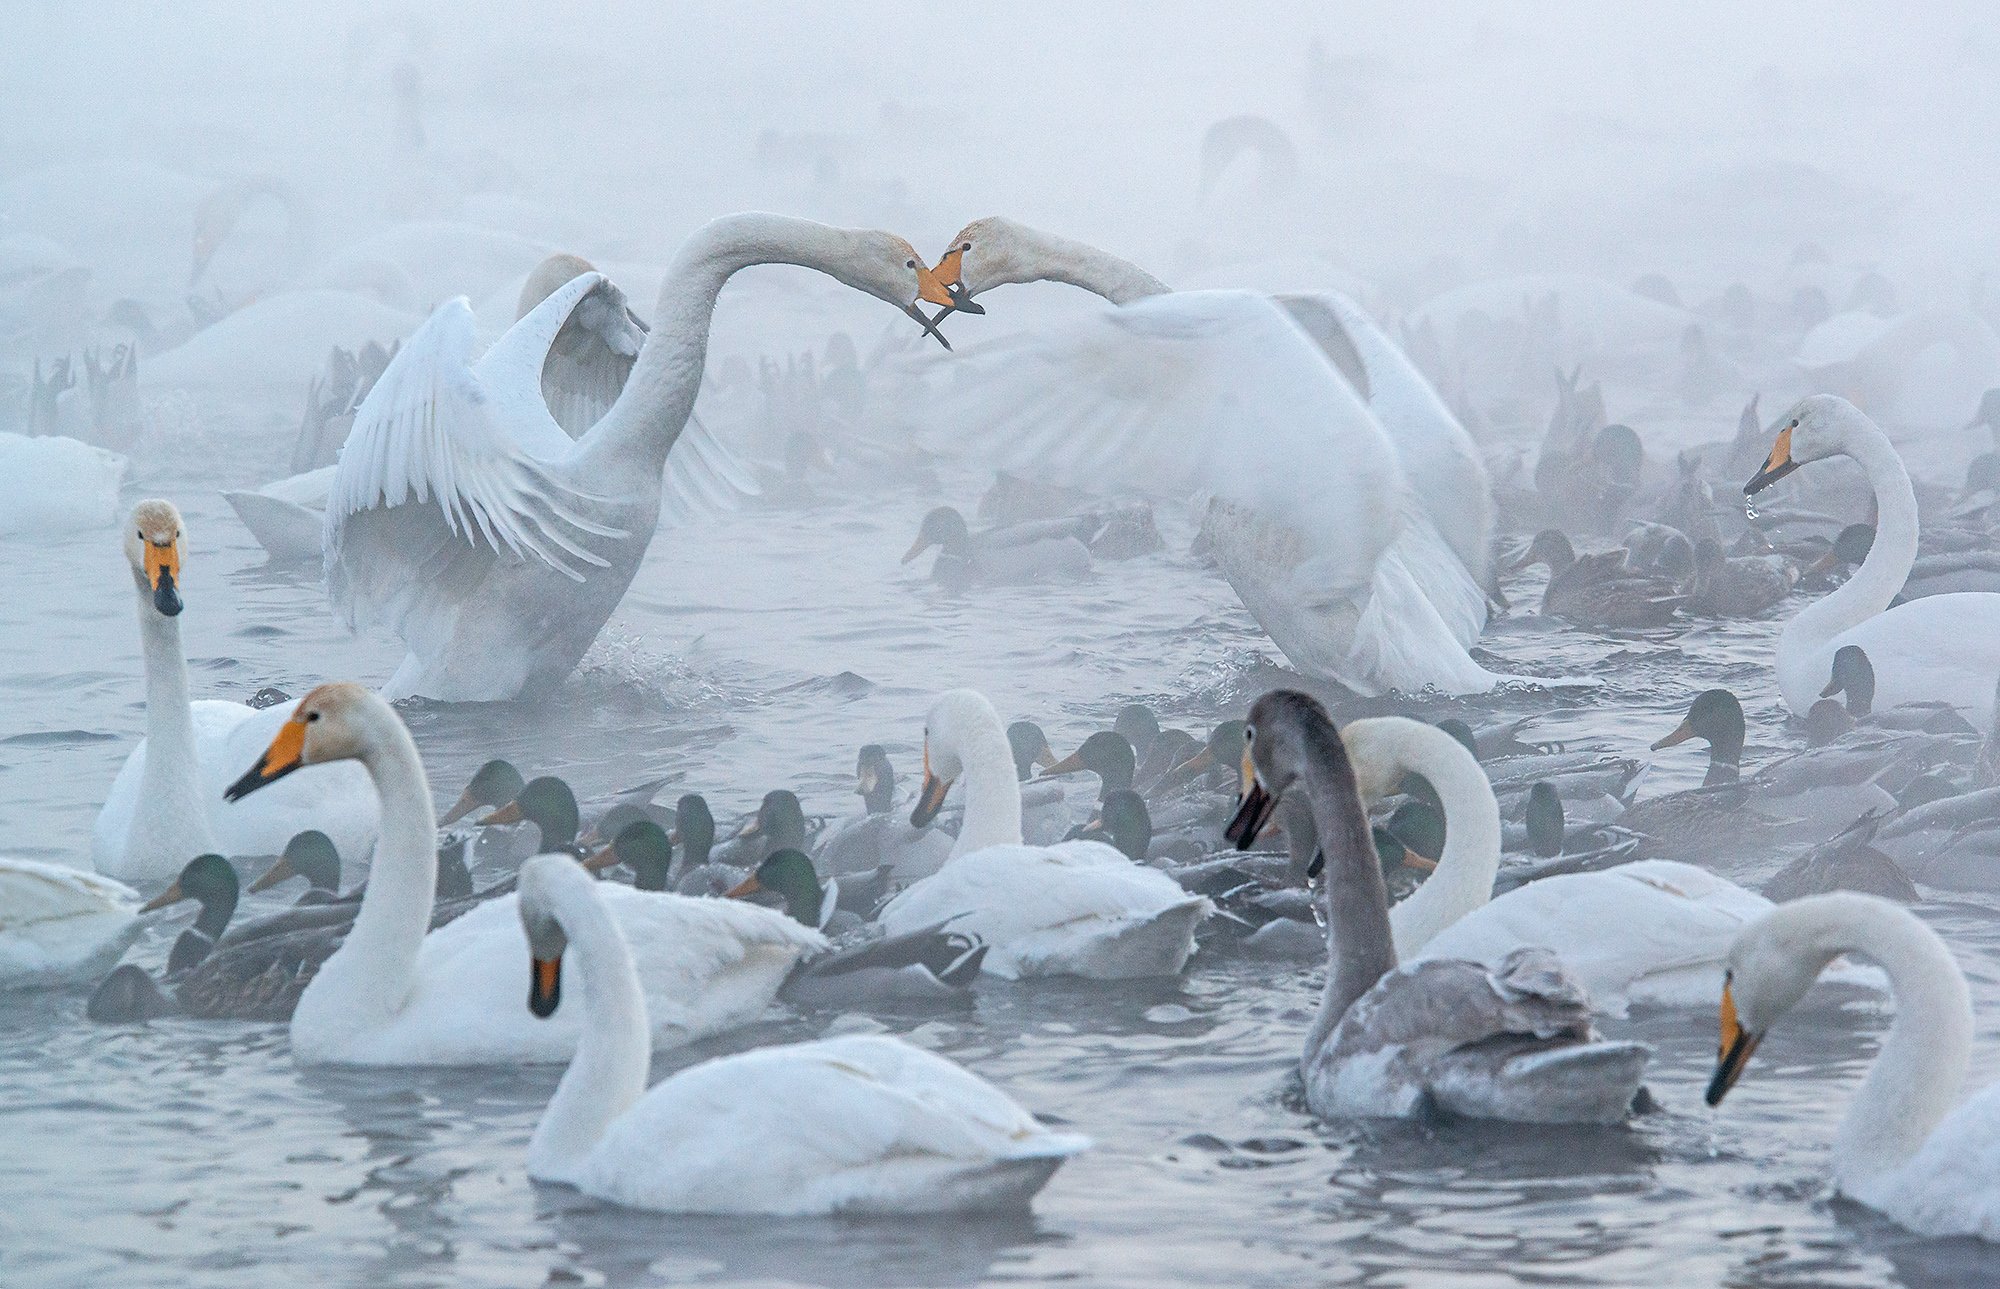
(1936, 647)
(856, 1125)
(495, 545)
(1346, 505)
(1907, 1146)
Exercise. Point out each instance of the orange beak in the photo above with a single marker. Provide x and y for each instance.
(748, 886)
(172, 895)
(1734, 1051)
(163, 576)
(1682, 733)
(286, 754)
(930, 799)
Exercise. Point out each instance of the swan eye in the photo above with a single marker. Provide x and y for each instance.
(1249, 735)
(909, 264)
(312, 716)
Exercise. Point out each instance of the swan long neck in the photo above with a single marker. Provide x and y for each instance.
(633, 438)
(171, 811)
(992, 791)
(1887, 566)
(613, 1054)
(1360, 947)
(1045, 257)
(1463, 881)
(1920, 1072)
(396, 905)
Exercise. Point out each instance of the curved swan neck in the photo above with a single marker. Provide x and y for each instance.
(992, 792)
(1360, 946)
(396, 906)
(1887, 566)
(1046, 257)
(635, 436)
(172, 814)
(613, 1053)
(1920, 1071)
(1393, 747)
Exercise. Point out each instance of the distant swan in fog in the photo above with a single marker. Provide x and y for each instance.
(1936, 648)
(394, 995)
(1652, 932)
(1349, 509)
(1903, 1149)
(494, 544)
(860, 1124)
(50, 484)
(1510, 1040)
(166, 805)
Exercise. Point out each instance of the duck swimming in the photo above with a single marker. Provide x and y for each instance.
(1038, 551)
(872, 1125)
(879, 836)
(1512, 1041)
(1598, 590)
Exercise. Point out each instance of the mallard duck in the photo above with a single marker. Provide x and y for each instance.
(643, 847)
(873, 1125)
(1597, 590)
(1849, 862)
(1512, 1041)
(878, 836)
(312, 856)
(1105, 754)
(694, 833)
(493, 785)
(1039, 551)
(1074, 908)
(862, 971)
(1741, 587)
(1046, 815)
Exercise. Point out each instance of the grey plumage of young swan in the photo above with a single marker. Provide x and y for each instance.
(1512, 1043)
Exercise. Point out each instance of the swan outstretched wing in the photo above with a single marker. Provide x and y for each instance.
(447, 458)
(1199, 393)
(591, 358)
(704, 477)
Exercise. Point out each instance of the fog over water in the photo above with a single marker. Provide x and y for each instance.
(1567, 216)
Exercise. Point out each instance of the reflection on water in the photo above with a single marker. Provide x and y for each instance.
(762, 650)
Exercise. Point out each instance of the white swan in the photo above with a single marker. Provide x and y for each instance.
(166, 805)
(494, 544)
(50, 484)
(61, 926)
(862, 1124)
(1511, 1040)
(1361, 553)
(393, 995)
(1937, 648)
(1907, 1147)
(1652, 932)
(1077, 908)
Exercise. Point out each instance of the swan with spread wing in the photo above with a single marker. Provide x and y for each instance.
(465, 518)
(1346, 506)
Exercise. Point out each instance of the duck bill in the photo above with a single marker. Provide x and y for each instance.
(1411, 859)
(163, 575)
(1734, 1053)
(1186, 772)
(1776, 466)
(603, 859)
(279, 872)
(1823, 565)
(172, 895)
(507, 814)
(1682, 733)
(1052, 767)
(917, 548)
(545, 987)
(930, 798)
(744, 889)
(466, 804)
(286, 754)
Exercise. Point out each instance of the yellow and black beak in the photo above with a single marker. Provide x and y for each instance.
(1776, 466)
(930, 799)
(1253, 808)
(507, 814)
(545, 986)
(278, 872)
(1682, 733)
(286, 754)
(950, 274)
(744, 889)
(163, 575)
(1734, 1051)
(172, 895)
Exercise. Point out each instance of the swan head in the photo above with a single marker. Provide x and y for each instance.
(889, 268)
(1817, 428)
(1285, 732)
(548, 882)
(1385, 750)
(1772, 964)
(960, 721)
(153, 548)
(340, 721)
(986, 253)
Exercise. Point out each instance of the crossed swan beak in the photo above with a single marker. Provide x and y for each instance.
(941, 286)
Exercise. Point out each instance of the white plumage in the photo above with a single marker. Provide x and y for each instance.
(61, 926)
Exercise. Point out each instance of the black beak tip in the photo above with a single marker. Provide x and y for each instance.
(965, 303)
(166, 599)
(544, 1005)
(1718, 1088)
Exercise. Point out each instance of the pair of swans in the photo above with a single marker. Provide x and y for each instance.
(1939, 647)
(394, 995)
(495, 545)
(1077, 908)
(1347, 506)
(166, 805)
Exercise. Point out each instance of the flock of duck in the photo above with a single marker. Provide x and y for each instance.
(1477, 900)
